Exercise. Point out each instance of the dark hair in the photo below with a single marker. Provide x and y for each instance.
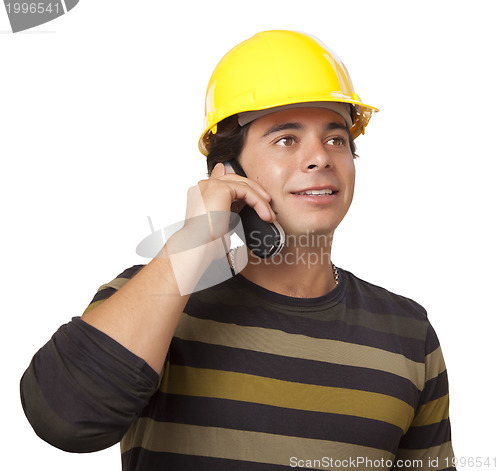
(227, 143)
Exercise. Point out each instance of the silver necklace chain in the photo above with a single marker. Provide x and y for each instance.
(335, 274)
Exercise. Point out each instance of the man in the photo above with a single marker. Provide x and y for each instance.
(291, 363)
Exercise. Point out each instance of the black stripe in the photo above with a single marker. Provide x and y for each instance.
(354, 293)
(130, 272)
(427, 436)
(139, 459)
(435, 388)
(379, 300)
(432, 341)
(201, 355)
(263, 418)
(108, 292)
(103, 294)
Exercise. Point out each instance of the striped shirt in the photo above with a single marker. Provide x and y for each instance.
(255, 380)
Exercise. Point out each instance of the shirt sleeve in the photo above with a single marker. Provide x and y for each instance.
(83, 389)
(427, 445)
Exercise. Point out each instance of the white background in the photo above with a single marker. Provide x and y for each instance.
(100, 113)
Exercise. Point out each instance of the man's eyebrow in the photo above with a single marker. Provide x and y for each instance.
(298, 126)
(283, 127)
(332, 126)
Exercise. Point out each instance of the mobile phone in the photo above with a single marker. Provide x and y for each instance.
(264, 239)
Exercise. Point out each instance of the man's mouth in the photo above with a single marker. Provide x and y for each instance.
(326, 191)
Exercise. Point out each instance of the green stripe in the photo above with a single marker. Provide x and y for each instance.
(387, 323)
(188, 381)
(433, 412)
(93, 305)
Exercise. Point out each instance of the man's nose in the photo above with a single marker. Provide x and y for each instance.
(316, 157)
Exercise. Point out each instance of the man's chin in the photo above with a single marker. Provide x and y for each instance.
(307, 227)
(304, 237)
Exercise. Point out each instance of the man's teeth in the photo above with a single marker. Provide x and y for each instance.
(316, 192)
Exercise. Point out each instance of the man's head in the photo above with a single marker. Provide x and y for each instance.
(283, 105)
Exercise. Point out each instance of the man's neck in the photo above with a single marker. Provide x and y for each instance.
(296, 272)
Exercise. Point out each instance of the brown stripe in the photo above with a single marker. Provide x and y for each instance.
(434, 364)
(117, 283)
(431, 459)
(299, 346)
(200, 382)
(243, 445)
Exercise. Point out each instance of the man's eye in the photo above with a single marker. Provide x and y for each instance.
(337, 141)
(286, 141)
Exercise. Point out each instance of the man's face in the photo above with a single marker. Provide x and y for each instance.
(302, 157)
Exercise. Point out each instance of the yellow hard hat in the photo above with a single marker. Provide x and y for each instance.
(276, 68)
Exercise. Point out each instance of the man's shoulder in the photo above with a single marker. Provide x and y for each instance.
(374, 297)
